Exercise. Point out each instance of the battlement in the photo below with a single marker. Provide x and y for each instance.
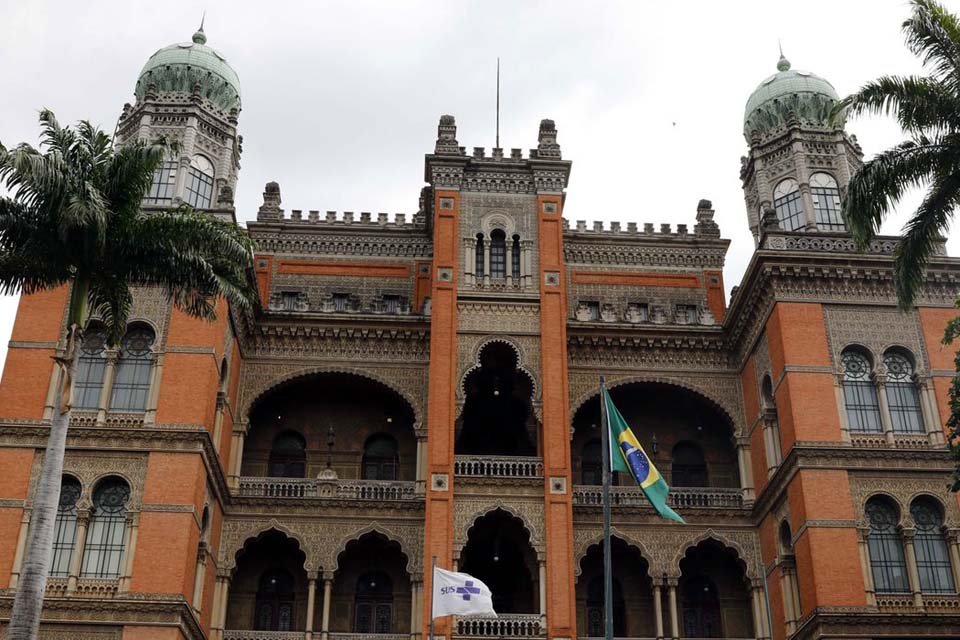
(270, 211)
(705, 227)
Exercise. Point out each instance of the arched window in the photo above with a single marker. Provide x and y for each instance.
(902, 396)
(689, 467)
(200, 183)
(789, 205)
(887, 561)
(163, 184)
(374, 606)
(274, 606)
(103, 550)
(595, 609)
(933, 555)
(786, 539)
(859, 394)
(498, 254)
(65, 528)
(131, 386)
(591, 464)
(515, 257)
(478, 266)
(701, 609)
(91, 366)
(826, 202)
(288, 456)
(380, 458)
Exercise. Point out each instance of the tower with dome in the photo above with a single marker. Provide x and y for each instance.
(424, 386)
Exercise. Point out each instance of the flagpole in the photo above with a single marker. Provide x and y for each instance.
(605, 474)
(433, 576)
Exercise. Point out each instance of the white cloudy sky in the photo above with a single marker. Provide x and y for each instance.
(341, 99)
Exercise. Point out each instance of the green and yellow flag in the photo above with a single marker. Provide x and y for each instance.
(633, 459)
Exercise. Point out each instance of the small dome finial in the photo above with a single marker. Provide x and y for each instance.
(782, 64)
(200, 37)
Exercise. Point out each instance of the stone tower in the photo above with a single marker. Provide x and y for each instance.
(188, 93)
(800, 159)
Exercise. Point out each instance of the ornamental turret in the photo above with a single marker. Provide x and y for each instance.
(187, 92)
(800, 158)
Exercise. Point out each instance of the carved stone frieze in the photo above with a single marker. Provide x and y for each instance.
(663, 547)
(322, 541)
(762, 361)
(90, 467)
(903, 489)
(602, 251)
(877, 329)
(498, 317)
(152, 304)
(467, 510)
(349, 344)
(721, 390)
(406, 243)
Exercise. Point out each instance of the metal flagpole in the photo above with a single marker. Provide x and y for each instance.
(607, 568)
(433, 576)
(498, 102)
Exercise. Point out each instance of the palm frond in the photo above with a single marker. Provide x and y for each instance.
(921, 105)
(933, 34)
(111, 300)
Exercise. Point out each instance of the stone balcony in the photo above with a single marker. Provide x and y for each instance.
(523, 467)
(679, 497)
(335, 489)
(506, 625)
(234, 634)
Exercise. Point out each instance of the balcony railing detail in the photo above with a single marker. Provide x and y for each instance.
(374, 490)
(498, 466)
(680, 497)
(366, 636)
(232, 634)
(507, 625)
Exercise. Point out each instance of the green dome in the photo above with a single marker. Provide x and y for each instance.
(179, 67)
(808, 96)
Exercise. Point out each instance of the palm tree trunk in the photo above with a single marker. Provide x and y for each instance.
(28, 602)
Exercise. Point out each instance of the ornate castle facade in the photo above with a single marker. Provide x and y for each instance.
(427, 387)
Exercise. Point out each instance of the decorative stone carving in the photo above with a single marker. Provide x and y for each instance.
(498, 317)
(90, 467)
(902, 489)
(467, 510)
(876, 329)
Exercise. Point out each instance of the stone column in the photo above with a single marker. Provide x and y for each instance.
(199, 576)
(953, 539)
(236, 456)
(862, 534)
(470, 261)
(21, 546)
(486, 261)
(526, 262)
(760, 626)
(508, 262)
(325, 617)
(658, 609)
(543, 589)
(931, 416)
(786, 586)
(218, 421)
(746, 469)
(109, 375)
(842, 406)
(311, 599)
(150, 415)
(421, 468)
(83, 519)
(912, 573)
(674, 616)
(218, 620)
(414, 610)
(129, 548)
(884, 410)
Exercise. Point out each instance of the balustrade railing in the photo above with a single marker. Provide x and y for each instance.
(366, 636)
(680, 497)
(498, 466)
(232, 634)
(377, 490)
(507, 625)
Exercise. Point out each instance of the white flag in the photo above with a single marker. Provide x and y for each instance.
(460, 594)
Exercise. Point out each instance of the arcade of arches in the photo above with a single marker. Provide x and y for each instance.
(689, 440)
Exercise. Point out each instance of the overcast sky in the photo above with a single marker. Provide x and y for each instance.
(341, 99)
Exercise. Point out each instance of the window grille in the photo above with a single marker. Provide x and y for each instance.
(789, 205)
(498, 254)
(859, 394)
(199, 190)
(902, 396)
(933, 555)
(163, 185)
(391, 304)
(91, 366)
(103, 551)
(65, 528)
(515, 257)
(826, 202)
(478, 266)
(341, 302)
(886, 549)
(131, 385)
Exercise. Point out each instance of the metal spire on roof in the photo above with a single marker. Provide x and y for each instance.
(200, 37)
(782, 64)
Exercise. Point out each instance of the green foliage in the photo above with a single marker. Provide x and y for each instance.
(928, 110)
(76, 216)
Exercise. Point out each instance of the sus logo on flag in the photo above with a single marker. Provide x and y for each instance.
(460, 594)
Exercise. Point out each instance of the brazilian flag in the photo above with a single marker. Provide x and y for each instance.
(633, 460)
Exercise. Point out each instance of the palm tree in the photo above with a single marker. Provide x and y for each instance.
(928, 109)
(74, 219)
